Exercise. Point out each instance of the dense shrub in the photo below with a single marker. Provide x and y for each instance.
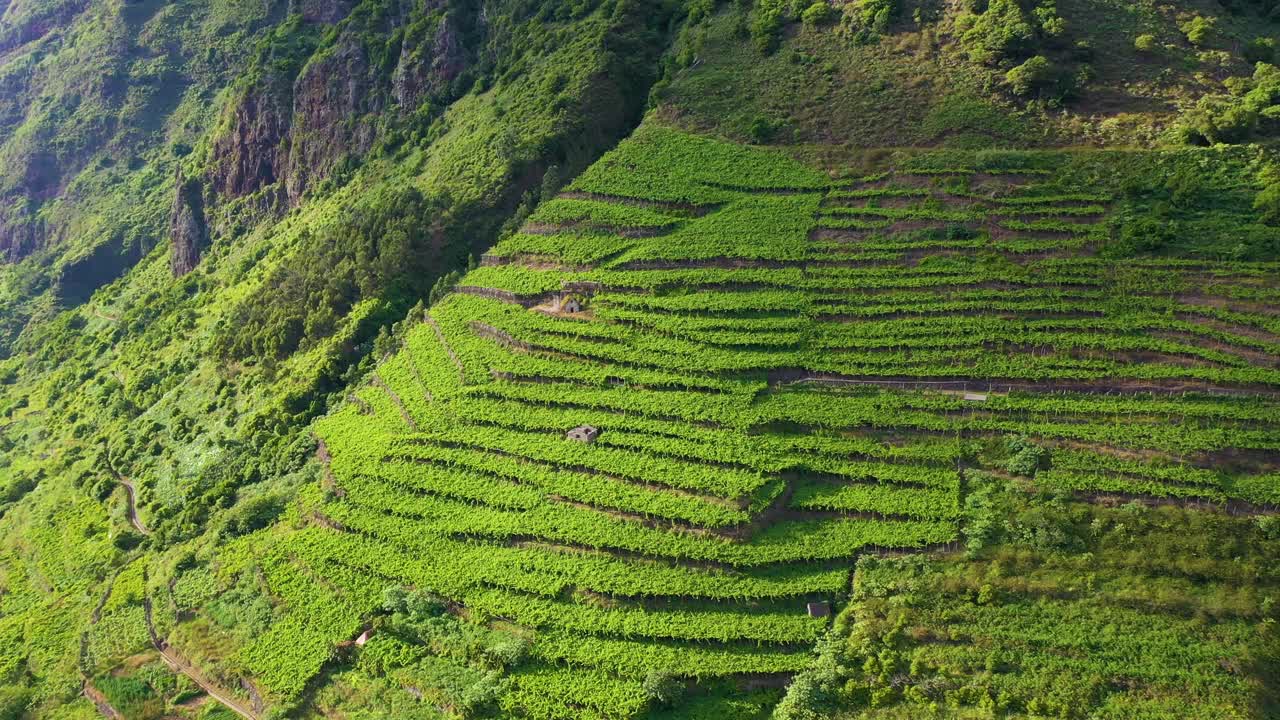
(1269, 526)
(1052, 25)
(662, 688)
(1142, 235)
(1260, 50)
(1031, 76)
(1199, 30)
(805, 700)
(817, 14)
(1238, 118)
(254, 514)
(1145, 43)
(1003, 31)
(1222, 119)
(1267, 202)
(1025, 457)
(13, 702)
(875, 16)
(413, 605)
(382, 248)
(763, 129)
(766, 28)
(984, 511)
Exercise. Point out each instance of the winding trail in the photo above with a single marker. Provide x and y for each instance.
(134, 520)
(179, 664)
(131, 491)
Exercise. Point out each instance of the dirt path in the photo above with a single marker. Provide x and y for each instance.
(1108, 386)
(100, 701)
(180, 665)
(134, 520)
(131, 491)
(404, 412)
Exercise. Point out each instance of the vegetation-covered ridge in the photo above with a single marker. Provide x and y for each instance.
(1001, 297)
(787, 372)
(1074, 612)
(192, 377)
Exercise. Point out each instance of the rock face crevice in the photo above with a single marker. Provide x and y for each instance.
(188, 229)
(429, 63)
(336, 102)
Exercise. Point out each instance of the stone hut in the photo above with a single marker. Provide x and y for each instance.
(583, 434)
(568, 303)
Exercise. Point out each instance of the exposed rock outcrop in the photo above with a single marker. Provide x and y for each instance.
(294, 131)
(429, 63)
(335, 99)
(247, 157)
(326, 12)
(20, 234)
(188, 231)
(35, 20)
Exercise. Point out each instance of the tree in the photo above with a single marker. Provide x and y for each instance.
(1267, 202)
(1199, 30)
(766, 30)
(1254, 109)
(1221, 119)
(1260, 50)
(762, 130)
(1145, 43)
(803, 701)
(874, 16)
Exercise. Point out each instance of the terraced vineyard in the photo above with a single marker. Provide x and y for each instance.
(787, 371)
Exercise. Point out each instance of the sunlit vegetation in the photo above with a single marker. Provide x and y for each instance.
(774, 399)
(906, 360)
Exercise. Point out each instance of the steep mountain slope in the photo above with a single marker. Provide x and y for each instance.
(99, 100)
(193, 387)
(787, 371)
(954, 303)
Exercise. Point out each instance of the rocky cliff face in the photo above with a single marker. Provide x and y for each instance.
(26, 21)
(293, 131)
(291, 127)
(335, 101)
(325, 12)
(20, 235)
(429, 63)
(188, 231)
(248, 156)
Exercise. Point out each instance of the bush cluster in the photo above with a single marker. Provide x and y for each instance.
(1032, 47)
(866, 19)
(1025, 457)
(1252, 110)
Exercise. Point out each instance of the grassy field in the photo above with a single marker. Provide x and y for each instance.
(1120, 612)
(914, 80)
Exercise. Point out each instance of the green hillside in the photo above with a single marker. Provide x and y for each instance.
(787, 372)
(640, 359)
